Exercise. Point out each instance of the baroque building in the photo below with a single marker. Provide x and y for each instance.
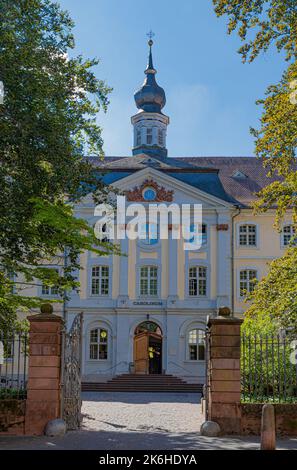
(147, 312)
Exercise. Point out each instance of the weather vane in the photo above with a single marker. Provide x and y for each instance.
(150, 35)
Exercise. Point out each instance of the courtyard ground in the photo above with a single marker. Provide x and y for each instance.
(125, 421)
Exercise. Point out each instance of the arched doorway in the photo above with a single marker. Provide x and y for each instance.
(148, 348)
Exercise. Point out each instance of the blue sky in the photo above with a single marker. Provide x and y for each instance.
(210, 94)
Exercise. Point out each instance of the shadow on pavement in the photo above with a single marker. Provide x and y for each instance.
(132, 440)
(142, 397)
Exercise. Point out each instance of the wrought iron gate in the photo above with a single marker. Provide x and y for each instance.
(71, 367)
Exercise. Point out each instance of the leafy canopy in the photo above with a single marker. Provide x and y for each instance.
(261, 24)
(47, 125)
(266, 21)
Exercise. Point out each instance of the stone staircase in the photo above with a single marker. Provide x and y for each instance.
(143, 383)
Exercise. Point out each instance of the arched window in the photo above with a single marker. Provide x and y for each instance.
(196, 345)
(288, 235)
(248, 235)
(197, 281)
(148, 326)
(99, 344)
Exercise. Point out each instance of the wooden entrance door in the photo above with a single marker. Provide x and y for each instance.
(141, 359)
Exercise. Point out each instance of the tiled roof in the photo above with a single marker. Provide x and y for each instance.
(241, 189)
(237, 188)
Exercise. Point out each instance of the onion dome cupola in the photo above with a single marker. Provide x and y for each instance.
(150, 124)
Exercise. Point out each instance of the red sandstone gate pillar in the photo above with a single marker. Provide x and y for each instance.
(43, 388)
(224, 373)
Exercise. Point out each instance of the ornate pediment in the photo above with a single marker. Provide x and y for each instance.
(152, 189)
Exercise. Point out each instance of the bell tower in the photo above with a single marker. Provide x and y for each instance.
(150, 124)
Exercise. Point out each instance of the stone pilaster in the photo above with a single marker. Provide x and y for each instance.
(44, 387)
(224, 374)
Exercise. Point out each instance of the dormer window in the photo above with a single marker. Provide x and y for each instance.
(149, 136)
(238, 174)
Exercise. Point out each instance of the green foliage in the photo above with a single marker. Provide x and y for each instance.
(12, 394)
(268, 22)
(10, 303)
(274, 300)
(276, 143)
(267, 372)
(261, 24)
(47, 125)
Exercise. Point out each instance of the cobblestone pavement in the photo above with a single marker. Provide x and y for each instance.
(122, 421)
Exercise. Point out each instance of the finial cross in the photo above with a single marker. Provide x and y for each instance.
(150, 35)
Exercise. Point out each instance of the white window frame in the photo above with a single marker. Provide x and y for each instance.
(47, 291)
(248, 281)
(161, 140)
(98, 343)
(284, 234)
(100, 278)
(199, 279)
(138, 137)
(150, 279)
(248, 244)
(149, 136)
(198, 342)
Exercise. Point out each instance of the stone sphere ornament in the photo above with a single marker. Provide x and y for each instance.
(224, 312)
(46, 309)
(55, 428)
(210, 429)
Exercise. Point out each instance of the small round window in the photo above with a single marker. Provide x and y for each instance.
(149, 194)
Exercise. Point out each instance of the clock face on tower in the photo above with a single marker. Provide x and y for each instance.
(149, 194)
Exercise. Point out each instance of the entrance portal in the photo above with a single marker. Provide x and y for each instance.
(148, 348)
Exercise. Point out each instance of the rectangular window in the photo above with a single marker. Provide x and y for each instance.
(247, 235)
(247, 281)
(149, 281)
(197, 281)
(138, 137)
(149, 136)
(288, 235)
(51, 291)
(196, 342)
(161, 137)
(99, 344)
(100, 280)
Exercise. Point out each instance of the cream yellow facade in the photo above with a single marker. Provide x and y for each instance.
(269, 246)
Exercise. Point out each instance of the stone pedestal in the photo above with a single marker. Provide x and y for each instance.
(224, 374)
(44, 387)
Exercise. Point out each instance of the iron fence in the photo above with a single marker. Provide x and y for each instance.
(13, 364)
(268, 369)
